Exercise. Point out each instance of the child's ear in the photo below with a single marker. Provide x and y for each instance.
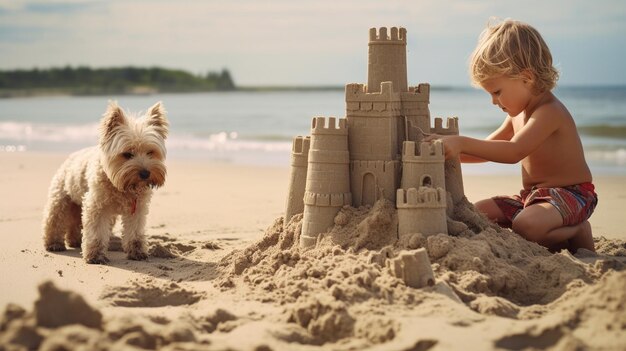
(528, 77)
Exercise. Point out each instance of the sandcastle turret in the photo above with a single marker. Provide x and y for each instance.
(424, 168)
(421, 210)
(387, 59)
(328, 178)
(454, 177)
(413, 267)
(297, 181)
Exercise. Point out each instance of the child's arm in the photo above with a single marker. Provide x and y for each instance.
(536, 130)
(465, 158)
(504, 132)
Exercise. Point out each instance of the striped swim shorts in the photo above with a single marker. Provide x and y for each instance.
(575, 203)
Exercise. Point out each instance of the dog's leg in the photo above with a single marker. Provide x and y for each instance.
(55, 219)
(96, 229)
(75, 226)
(133, 233)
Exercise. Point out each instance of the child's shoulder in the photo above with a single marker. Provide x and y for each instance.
(551, 108)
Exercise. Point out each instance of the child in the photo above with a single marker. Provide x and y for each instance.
(514, 65)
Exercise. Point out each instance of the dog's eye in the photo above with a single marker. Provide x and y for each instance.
(150, 153)
(128, 155)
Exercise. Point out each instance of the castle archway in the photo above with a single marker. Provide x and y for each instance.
(368, 193)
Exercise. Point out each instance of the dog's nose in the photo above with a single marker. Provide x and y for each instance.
(144, 174)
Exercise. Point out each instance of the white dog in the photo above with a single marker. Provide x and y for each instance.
(95, 185)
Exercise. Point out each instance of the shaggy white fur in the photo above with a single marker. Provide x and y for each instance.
(96, 185)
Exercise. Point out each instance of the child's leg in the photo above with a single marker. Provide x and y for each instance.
(489, 208)
(543, 224)
(583, 239)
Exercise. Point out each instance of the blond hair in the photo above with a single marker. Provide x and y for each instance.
(509, 49)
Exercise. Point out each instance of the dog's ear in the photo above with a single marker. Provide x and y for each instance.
(112, 118)
(156, 118)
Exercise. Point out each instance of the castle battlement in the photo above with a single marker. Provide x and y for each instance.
(328, 126)
(422, 88)
(396, 35)
(428, 151)
(354, 88)
(359, 93)
(300, 145)
(325, 200)
(300, 151)
(451, 128)
(418, 94)
(424, 197)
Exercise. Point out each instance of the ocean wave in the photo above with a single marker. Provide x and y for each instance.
(37, 136)
(20, 136)
(225, 141)
(615, 157)
(37, 132)
(604, 130)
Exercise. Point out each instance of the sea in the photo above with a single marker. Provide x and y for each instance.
(257, 127)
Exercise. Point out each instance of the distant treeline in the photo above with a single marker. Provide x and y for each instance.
(122, 80)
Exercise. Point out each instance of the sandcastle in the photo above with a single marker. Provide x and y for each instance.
(377, 152)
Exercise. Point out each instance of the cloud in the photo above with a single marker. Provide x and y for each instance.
(284, 41)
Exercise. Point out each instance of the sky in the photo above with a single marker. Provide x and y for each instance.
(294, 42)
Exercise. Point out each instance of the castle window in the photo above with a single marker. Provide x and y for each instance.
(427, 181)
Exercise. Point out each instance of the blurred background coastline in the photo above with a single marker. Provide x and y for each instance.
(213, 119)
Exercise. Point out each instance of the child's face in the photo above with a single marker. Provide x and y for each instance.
(512, 95)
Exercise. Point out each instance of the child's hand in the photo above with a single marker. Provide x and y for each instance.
(451, 144)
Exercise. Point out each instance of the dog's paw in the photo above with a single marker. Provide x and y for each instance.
(98, 259)
(55, 247)
(135, 251)
(74, 244)
(137, 255)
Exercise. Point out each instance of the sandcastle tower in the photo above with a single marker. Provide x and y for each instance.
(327, 180)
(421, 202)
(423, 169)
(381, 116)
(376, 152)
(387, 59)
(297, 181)
(373, 136)
(454, 177)
(421, 210)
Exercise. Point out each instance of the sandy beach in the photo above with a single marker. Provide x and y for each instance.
(224, 273)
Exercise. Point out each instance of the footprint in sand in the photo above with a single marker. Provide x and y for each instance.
(149, 294)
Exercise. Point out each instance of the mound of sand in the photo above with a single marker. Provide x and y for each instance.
(495, 272)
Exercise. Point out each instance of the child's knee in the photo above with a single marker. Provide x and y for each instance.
(528, 228)
(483, 206)
(489, 208)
